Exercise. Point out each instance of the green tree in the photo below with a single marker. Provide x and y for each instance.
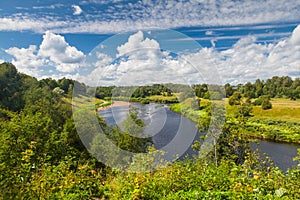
(10, 84)
(235, 99)
(258, 88)
(228, 90)
(266, 104)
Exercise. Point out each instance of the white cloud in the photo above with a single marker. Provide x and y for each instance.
(141, 61)
(17, 23)
(152, 14)
(295, 39)
(209, 33)
(55, 47)
(77, 10)
(54, 6)
(245, 61)
(26, 60)
(53, 52)
(102, 59)
(139, 48)
(60, 52)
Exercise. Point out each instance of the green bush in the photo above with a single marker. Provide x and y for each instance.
(266, 104)
(261, 99)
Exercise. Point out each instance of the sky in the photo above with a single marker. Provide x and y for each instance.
(123, 42)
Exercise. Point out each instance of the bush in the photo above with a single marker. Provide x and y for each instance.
(235, 99)
(260, 100)
(266, 104)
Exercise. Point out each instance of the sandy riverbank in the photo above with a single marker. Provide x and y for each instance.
(115, 104)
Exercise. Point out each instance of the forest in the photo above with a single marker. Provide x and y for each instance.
(42, 156)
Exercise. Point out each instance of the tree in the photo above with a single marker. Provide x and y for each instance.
(249, 90)
(266, 104)
(260, 99)
(258, 88)
(10, 84)
(228, 90)
(235, 99)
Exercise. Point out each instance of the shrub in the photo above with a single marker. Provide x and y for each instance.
(260, 100)
(266, 104)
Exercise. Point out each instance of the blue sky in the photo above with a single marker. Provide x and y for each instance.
(238, 40)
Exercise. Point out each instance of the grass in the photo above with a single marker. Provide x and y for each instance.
(86, 103)
(281, 123)
(161, 98)
(282, 110)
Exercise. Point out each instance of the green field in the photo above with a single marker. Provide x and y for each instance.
(282, 109)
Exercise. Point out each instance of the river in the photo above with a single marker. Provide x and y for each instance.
(175, 133)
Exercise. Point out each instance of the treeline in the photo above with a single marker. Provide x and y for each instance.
(279, 87)
(15, 85)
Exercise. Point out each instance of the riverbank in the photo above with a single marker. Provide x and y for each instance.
(282, 131)
(114, 104)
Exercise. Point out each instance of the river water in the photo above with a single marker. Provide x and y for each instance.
(174, 133)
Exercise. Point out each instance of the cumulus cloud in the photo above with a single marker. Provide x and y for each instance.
(246, 60)
(140, 60)
(102, 60)
(77, 10)
(135, 43)
(295, 39)
(27, 60)
(141, 53)
(53, 52)
(55, 47)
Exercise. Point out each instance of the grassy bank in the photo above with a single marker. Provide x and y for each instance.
(281, 123)
(154, 98)
(87, 103)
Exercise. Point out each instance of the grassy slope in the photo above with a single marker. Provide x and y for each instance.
(87, 103)
(281, 123)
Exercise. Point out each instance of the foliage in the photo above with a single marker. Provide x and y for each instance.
(203, 180)
(266, 104)
(42, 156)
(10, 84)
(235, 99)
